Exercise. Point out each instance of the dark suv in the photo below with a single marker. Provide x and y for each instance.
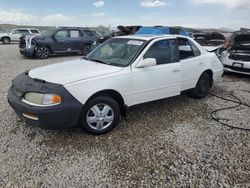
(58, 41)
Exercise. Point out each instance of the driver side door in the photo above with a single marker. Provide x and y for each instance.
(160, 81)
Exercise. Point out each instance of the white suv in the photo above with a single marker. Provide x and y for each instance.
(121, 72)
(15, 34)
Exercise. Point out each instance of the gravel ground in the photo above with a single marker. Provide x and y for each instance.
(167, 143)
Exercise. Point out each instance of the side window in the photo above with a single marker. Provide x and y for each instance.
(185, 49)
(34, 31)
(88, 33)
(62, 34)
(195, 49)
(164, 51)
(23, 31)
(75, 34)
(16, 31)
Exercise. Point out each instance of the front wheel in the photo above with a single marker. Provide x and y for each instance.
(100, 115)
(202, 88)
(42, 52)
(6, 40)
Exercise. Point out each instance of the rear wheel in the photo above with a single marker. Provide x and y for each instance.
(100, 115)
(86, 50)
(6, 40)
(202, 88)
(42, 52)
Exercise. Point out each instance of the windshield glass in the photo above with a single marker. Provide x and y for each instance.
(48, 32)
(117, 51)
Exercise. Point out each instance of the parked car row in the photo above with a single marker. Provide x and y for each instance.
(234, 52)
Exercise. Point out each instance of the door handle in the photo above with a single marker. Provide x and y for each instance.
(176, 70)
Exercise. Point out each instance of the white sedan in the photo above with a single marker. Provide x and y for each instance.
(124, 71)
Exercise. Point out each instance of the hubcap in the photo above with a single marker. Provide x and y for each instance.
(43, 52)
(100, 116)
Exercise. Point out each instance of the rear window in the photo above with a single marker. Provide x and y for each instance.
(89, 33)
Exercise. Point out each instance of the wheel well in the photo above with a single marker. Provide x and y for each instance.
(210, 73)
(113, 94)
(6, 37)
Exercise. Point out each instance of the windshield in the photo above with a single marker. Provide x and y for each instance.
(48, 32)
(117, 51)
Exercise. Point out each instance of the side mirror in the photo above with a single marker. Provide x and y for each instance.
(148, 62)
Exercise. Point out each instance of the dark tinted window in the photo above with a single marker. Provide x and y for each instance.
(185, 49)
(89, 33)
(23, 31)
(34, 31)
(164, 51)
(62, 34)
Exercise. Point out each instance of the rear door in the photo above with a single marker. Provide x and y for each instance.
(160, 81)
(76, 40)
(192, 64)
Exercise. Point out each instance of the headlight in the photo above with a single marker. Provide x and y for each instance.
(39, 99)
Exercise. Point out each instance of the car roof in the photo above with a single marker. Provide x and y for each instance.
(27, 28)
(151, 37)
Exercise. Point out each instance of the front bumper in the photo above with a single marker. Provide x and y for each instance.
(236, 66)
(29, 52)
(65, 115)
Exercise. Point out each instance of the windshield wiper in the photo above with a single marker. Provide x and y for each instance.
(100, 61)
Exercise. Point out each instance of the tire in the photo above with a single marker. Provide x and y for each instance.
(203, 86)
(100, 115)
(86, 50)
(42, 52)
(6, 40)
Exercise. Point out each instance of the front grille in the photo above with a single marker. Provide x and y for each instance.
(238, 69)
(240, 56)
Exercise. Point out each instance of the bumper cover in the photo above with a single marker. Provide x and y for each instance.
(65, 115)
(236, 66)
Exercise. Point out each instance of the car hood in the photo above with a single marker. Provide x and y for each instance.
(242, 42)
(71, 71)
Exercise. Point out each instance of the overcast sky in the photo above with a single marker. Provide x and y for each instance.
(190, 13)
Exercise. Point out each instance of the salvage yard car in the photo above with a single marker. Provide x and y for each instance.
(236, 56)
(124, 71)
(15, 34)
(61, 40)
